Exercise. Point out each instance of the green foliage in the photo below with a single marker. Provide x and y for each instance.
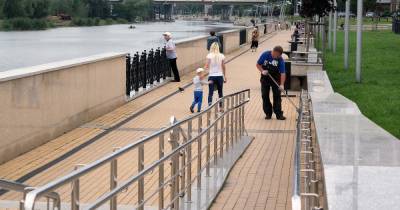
(86, 22)
(13, 8)
(83, 12)
(378, 96)
(310, 8)
(134, 9)
(23, 23)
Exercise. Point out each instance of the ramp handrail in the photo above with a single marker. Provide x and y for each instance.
(230, 106)
(23, 188)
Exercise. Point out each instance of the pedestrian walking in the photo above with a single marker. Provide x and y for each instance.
(171, 55)
(254, 39)
(198, 82)
(217, 72)
(272, 68)
(211, 39)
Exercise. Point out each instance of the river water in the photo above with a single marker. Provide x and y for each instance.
(29, 48)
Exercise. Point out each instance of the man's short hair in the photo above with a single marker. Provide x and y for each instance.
(278, 49)
(212, 33)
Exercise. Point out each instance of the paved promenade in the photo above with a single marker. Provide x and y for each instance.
(259, 180)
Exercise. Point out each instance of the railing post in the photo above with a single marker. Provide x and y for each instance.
(113, 181)
(174, 140)
(189, 163)
(221, 144)
(227, 126)
(161, 173)
(141, 180)
(183, 171)
(236, 117)
(216, 135)
(208, 143)
(199, 148)
(75, 192)
(240, 115)
(231, 129)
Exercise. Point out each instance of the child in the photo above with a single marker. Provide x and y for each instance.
(198, 82)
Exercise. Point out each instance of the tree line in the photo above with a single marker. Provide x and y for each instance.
(36, 9)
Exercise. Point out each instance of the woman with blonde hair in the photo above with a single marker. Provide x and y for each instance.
(217, 71)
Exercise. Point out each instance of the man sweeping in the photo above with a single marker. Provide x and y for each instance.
(272, 67)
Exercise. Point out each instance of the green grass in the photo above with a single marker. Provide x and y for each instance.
(366, 21)
(378, 96)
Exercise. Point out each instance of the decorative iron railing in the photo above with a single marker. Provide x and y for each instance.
(146, 69)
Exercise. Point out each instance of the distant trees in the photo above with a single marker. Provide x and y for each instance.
(133, 9)
(13, 8)
(35, 9)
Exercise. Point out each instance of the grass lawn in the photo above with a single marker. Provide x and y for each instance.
(367, 21)
(378, 96)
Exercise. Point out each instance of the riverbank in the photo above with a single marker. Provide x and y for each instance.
(378, 96)
(28, 24)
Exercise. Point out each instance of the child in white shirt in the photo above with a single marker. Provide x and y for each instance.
(198, 82)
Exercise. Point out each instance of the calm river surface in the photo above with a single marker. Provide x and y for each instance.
(29, 48)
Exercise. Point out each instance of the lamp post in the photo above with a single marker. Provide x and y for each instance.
(346, 36)
(359, 40)
(334, 27)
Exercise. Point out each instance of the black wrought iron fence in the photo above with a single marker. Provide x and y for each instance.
(146, 69)
(396, 25)
(243, 37)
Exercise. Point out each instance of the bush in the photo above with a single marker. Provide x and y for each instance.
(22, 24)
(109, 21)
(122, 21)
(86, 22)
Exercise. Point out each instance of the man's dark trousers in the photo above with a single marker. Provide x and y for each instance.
(174, 68)
(266, 85)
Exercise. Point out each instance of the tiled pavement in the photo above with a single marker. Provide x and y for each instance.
(259, 180)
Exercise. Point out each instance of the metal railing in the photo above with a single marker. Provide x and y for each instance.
(305, 192)
(145, 69)
(299, 56)
(51, 197)
(191, 153)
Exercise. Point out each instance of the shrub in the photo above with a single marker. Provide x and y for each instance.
(22, 24)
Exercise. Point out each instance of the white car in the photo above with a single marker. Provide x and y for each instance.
(370, 14)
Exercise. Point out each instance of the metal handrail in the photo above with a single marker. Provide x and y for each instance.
(106, 197)
(296, 197)
(32, 196)
(23, 188)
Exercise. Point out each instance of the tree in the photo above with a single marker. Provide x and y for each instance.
(310, 8)
(13, 8)
(98, 8)
(40, 8)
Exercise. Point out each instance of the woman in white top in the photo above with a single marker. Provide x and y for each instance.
(217, 71)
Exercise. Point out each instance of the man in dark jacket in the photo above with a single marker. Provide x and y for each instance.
(211, 39)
